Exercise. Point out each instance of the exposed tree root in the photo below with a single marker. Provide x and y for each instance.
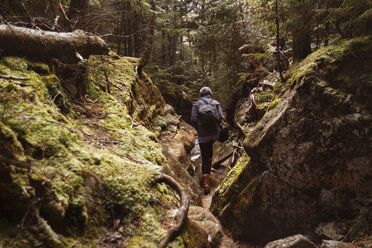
(14, 78)
(181, 216)
(47, 229)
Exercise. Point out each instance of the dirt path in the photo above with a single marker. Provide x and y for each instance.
(207, 199)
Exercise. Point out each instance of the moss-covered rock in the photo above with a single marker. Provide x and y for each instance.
(76, 167)
(310, 154)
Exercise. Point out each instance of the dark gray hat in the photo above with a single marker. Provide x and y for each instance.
(205, 91)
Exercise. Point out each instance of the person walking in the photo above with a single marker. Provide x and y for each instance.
(206, 117)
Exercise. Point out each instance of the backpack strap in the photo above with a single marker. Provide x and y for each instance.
(210, 102)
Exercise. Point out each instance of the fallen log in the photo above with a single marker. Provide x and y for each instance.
(46, 45)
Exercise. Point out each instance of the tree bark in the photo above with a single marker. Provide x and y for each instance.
(131, 31)
(46, 45)
(173, 50)
(301, 44)
(145, 57)
(138, 36)
(278, 40)
(120, 27)
(163, 48)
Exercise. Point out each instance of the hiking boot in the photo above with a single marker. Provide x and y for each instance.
(206, 182)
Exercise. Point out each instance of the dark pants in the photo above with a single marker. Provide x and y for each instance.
(206, 150)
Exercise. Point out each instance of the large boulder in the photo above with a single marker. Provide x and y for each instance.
(311, 152)
(295, 241)
(209, 223)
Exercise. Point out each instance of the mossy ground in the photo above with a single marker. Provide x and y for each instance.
(92, 161)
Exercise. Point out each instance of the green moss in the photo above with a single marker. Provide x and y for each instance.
(222, 192)
(139, 242)
(34, 125)
(261, 107)
(191, 236)
(162, 122)
(20, 187)
(273, 104)
(257, 56)
(12, 148)
(233, 174)
(265, 96)
(38, 67)
(337, 53)
(135, 141)
(14, 63)
(263, 100)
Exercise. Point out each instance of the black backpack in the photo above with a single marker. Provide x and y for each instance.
(207, 113)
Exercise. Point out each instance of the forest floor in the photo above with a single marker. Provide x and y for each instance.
(218, 173)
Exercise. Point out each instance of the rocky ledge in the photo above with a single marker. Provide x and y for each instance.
(310, 155)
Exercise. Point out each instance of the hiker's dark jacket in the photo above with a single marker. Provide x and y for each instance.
(210, 133)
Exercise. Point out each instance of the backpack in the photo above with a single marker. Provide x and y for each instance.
(207, 113)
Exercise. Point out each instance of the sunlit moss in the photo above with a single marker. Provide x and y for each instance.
(11, 146)
(38, 122)
(222, 192)
(265, 96)
(273, 104)
(162, 122)
(330, 55)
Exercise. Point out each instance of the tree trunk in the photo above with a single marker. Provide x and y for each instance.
(130, 33)
(164, 49)
(126, 30)
(131, 51)
(173, 44)
(173, 50)
(278, 40)
(182, 54)
(301, 44)
(120, 26)
(145, 56)
(46, 45)
(169, 38)
(138, 44)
